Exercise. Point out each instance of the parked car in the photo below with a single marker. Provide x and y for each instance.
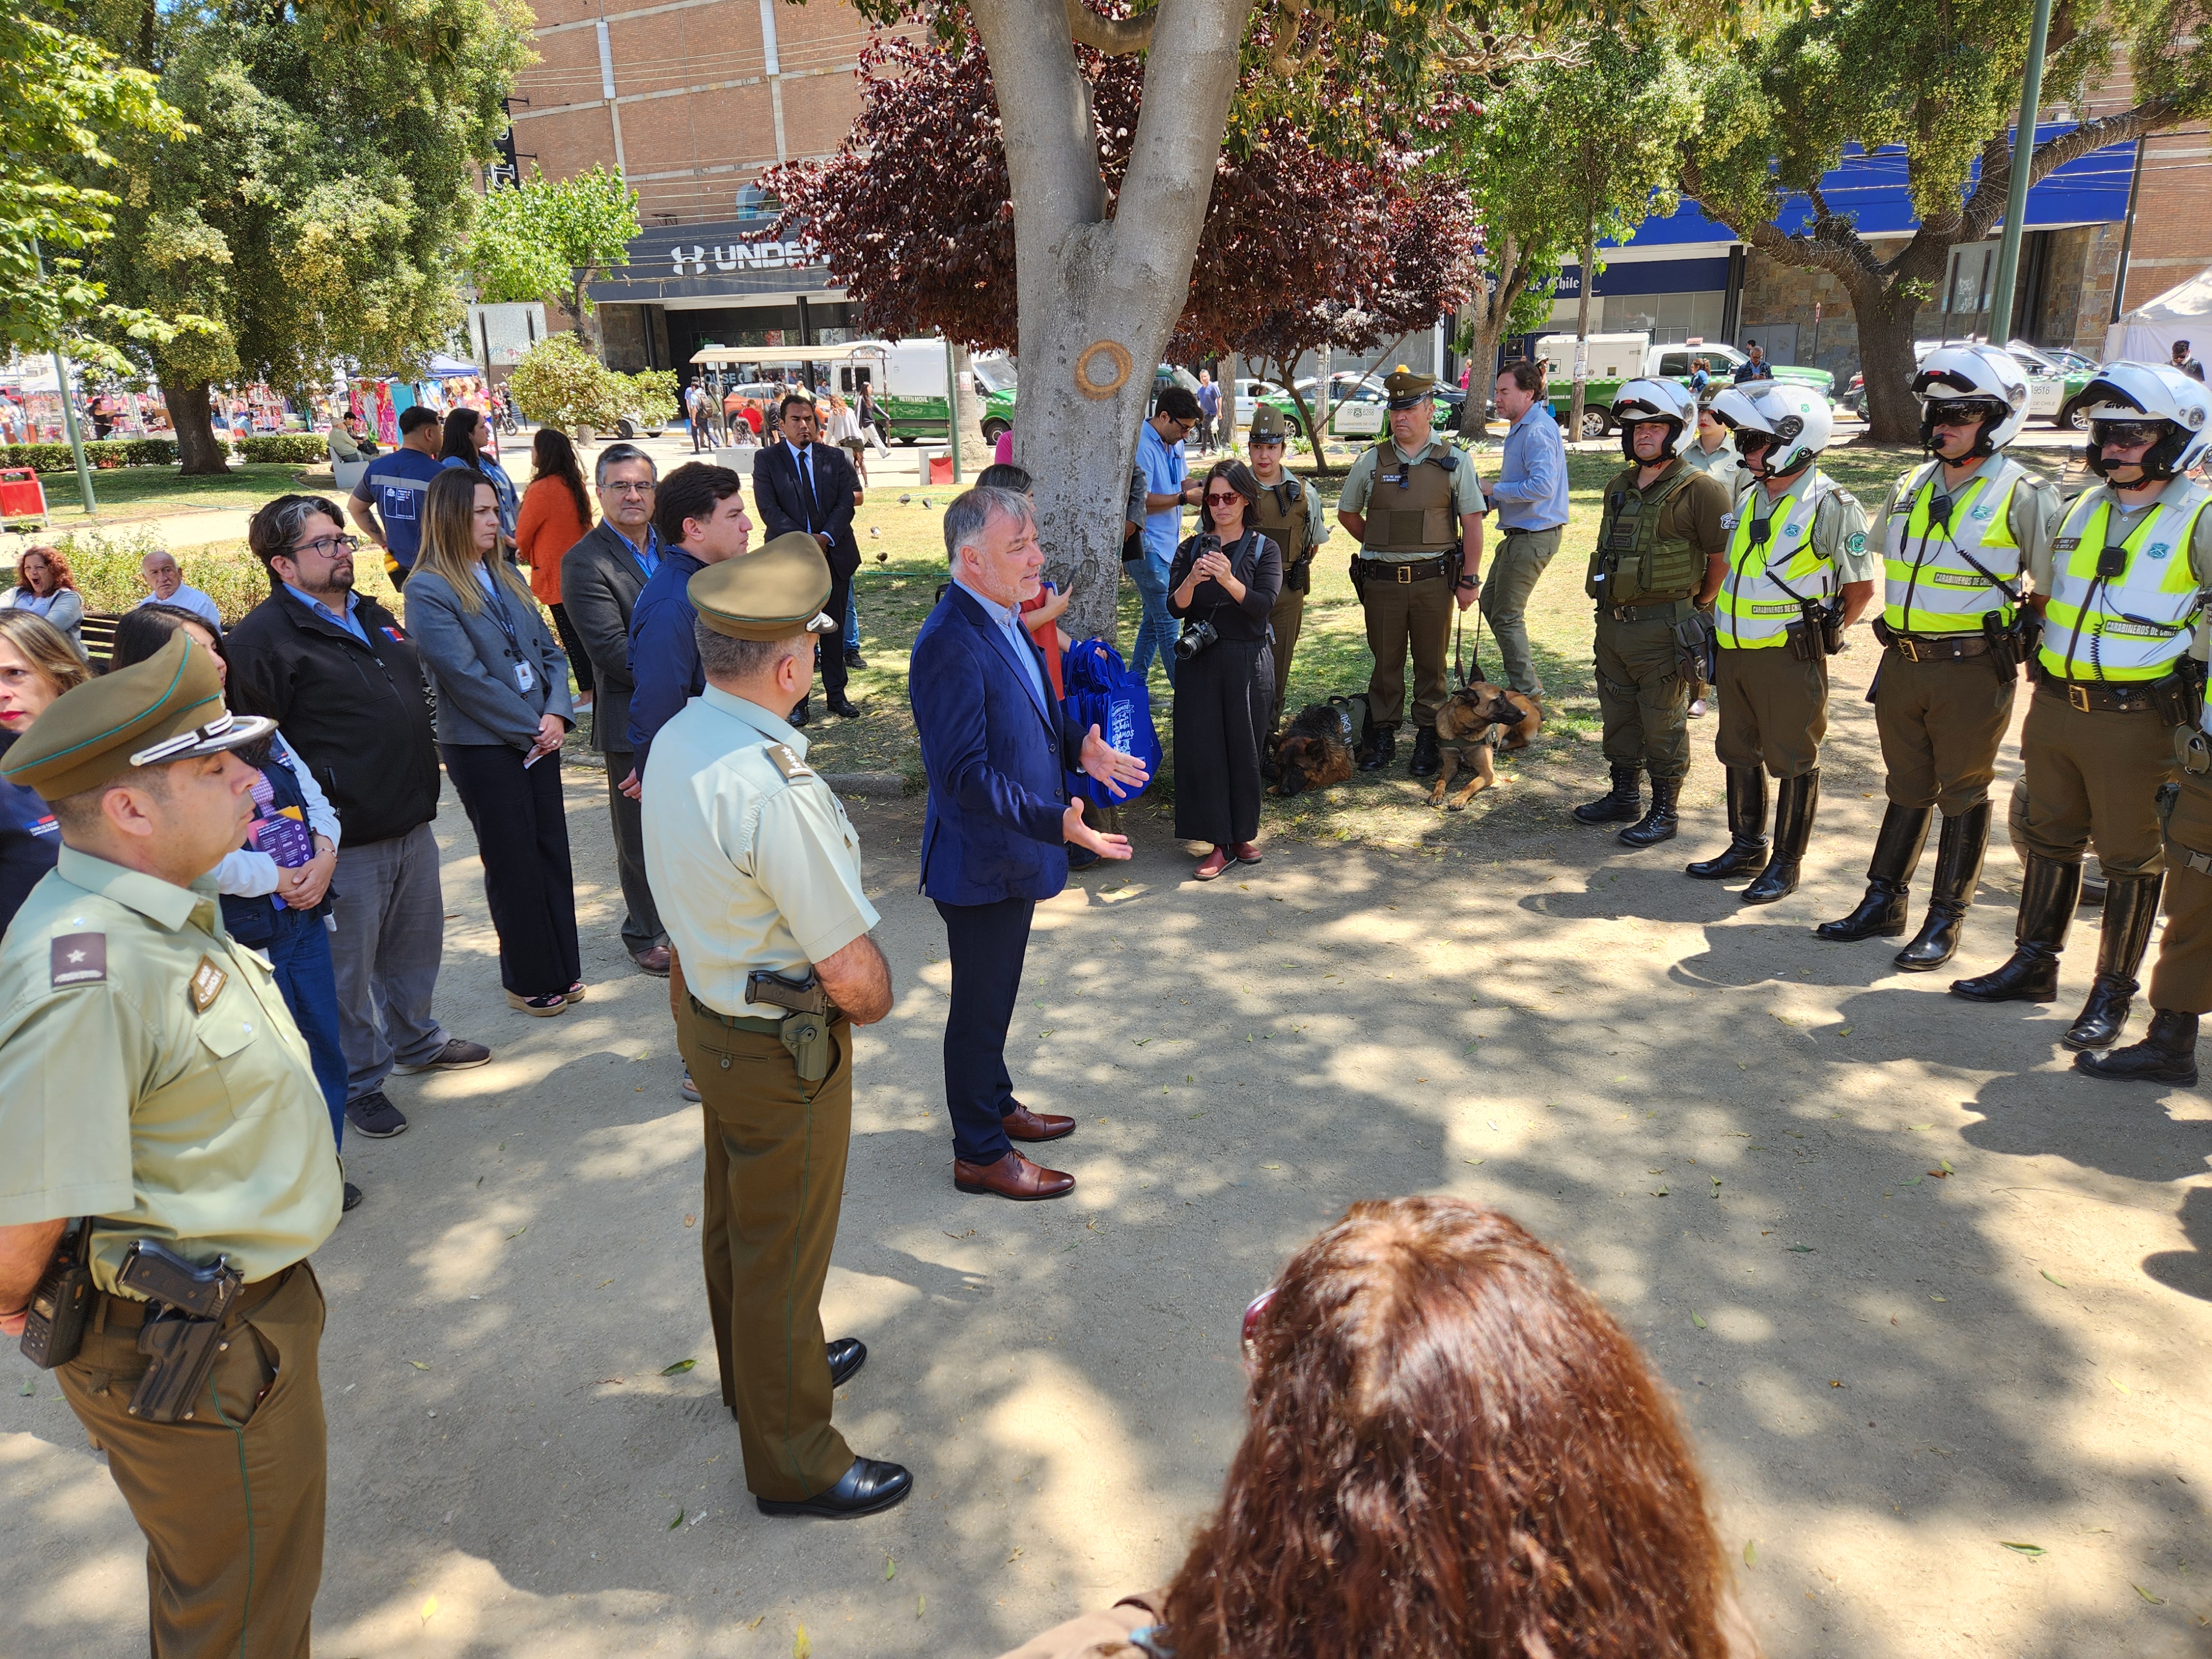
(1251, 394)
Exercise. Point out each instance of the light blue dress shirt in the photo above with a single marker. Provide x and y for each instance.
(1164, 470)
(1009, 624)
(351, 622)
(1531, 491)
(649, 556)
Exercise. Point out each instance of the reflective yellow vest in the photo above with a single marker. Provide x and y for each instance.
(2134, 626)
(1753, 610)
(1930, 587)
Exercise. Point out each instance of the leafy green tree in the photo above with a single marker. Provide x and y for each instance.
(66, 100)
(316, 209)
(1942, 81)
(560, 382)
(554, 237)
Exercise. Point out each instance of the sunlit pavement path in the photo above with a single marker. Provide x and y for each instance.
(1936, 1309)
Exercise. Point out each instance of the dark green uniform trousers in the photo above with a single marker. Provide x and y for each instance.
(231, 1502)
(1402, 617)
(1774, 709)
(1941, 724)
(1287, 618)
(2182, 981)
(775, 1181)
(2094, 773)
(1643, 696)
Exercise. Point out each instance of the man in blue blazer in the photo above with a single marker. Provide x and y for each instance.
(995, 837)
(800, 484)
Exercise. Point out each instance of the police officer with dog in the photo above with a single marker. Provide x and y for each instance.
(165, 1158)
(1289, 514)
(1798, 575)
(1415, 507)
(2126, 580)
(1957, 536)
(757, 872)
(1661, 551)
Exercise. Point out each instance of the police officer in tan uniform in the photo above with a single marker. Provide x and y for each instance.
(2124, 583)
(756, 870)
(1289, 514)
(1957, 536)
(1798, 573)
(161, 1125)
(1415, 507)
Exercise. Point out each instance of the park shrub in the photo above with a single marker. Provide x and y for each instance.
(559, 383)
(102, 453)
(104, 564)
(299, 446)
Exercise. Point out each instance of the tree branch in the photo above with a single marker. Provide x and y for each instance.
(1116, 37)
(1985, 205)
(1838, 250)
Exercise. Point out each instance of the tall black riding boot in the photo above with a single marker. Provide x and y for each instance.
(1746, 816)
(1425, 762)
(2168, 1053)
(1657, 824)
(1622, 804)
(1382, 748)
(2130, 911)
(2048, 893)
(1795, 805)
(1958, 873)
(1880, 914)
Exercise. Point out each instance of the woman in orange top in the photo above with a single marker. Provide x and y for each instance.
(555, 515)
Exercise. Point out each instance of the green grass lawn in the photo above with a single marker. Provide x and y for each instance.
(144, 492)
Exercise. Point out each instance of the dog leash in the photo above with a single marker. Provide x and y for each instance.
(1459, 628)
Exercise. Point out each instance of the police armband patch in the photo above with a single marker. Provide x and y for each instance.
(788, 763)
(77, 959)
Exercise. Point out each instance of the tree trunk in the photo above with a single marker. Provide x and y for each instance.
(1230, 371)
(1886, 358)
(199, 454)
(968, 410)
(1088, 284)
(1582, 339)
(587, 321)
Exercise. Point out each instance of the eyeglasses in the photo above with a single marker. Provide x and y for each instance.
(329, 547)
(626, 490)
(1214, 500)
(2127, 434)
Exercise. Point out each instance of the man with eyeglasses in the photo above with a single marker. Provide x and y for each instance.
(338, 673)
(1958, 536)
(1798, 575)
(601, 577)
(2117, 683)
(1167, 490)
(1414, 505)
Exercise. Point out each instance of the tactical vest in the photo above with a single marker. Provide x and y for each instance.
(2134, 626)
(1931, 588)
(1282, 516)
(1411, 513)
(1753, 610)
(1643, 557)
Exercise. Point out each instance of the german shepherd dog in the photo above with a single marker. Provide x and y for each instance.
(1480, 718)
(1315, 749)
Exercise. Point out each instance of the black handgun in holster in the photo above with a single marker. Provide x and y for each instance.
(2180, 697)
(53, 1325)
(1818, 631)
(1697, 647)
(805, 1029)
(183, 1330)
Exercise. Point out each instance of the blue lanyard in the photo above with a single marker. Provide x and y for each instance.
(490, 584)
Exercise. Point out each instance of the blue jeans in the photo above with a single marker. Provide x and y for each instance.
(301, 955)
(853, 619)
(1158, 629)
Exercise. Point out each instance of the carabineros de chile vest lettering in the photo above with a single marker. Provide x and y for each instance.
(1759, 600)
(2134, 625)
(1643, 557)
(1410, 512)
(1930, 584)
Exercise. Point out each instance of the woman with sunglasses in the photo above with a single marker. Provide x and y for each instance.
(1222, 583)
(1451, 1449)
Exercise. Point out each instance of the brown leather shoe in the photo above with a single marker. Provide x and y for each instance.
(1011, 1176)
(1246, 852)
(1211, 865)
(1023, 1124)
(653, 961)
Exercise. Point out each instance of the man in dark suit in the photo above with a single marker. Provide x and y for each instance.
(800, 484)
(600, 577)
(995, 837)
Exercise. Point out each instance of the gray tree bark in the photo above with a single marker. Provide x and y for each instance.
(968, 410)
(1489, 310)
(1086, 281)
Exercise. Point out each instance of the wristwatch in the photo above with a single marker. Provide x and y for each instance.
(1470, 582)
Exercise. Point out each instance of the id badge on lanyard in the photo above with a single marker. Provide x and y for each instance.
(523, 677)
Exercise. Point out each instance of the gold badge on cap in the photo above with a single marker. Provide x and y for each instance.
(207, 984)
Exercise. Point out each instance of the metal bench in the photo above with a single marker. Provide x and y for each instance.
(98, 632)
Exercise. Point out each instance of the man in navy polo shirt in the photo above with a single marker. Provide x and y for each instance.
(387, 503)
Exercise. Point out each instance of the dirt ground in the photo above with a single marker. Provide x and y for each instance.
(1935, 1308)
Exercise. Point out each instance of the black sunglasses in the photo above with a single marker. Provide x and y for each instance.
(1957, 412)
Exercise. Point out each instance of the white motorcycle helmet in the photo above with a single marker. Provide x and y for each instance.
(1656, 400)
(1792, 420)
(1977, 374)
(2148, 392)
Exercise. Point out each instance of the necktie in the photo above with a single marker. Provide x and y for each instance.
(806, 477)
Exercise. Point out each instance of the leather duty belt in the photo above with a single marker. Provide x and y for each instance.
(1657, 610)
(1405, 571)
(1939, 648)
(2088, 696)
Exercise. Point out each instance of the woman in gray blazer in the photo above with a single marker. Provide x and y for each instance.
(502, 710)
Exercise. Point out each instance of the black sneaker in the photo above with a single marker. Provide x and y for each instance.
(352, 1196)
(458, 1055)
(375, 1116)
(852, 660)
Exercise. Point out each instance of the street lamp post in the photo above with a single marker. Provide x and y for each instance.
(2023, 151)
(69, 410)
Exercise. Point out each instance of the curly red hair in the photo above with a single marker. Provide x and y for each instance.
(1454, 1450)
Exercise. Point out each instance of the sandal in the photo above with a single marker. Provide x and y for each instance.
(539, 1007)
(574, 993)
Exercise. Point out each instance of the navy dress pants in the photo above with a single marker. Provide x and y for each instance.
(987, 942)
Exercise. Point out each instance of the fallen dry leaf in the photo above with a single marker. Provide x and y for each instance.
(680, 1366)
(691, 1220)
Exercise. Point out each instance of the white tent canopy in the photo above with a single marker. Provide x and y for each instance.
(725, 355)
(2146, 334)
